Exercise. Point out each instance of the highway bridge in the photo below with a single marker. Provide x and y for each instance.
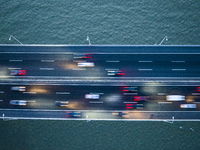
(131, 82)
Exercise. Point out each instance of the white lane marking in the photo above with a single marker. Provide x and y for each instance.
(79, 69)
(30, 92)
(195, 93)
(145, 61)
(62, 92)
(178, 61)
(96, 102)
(129, 102)
(161, 93)
(47, 60)
(15, 60)
(46, 68)
(178, 69)
(145, 69)
(130, 93)
(63, 101)
(112, 69)
(113, 61)
(1, 91)
(196, 102)
(164, 102)
(1, 100)
(14, 68)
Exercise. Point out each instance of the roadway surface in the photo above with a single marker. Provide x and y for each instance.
(135, 64)
(53, 75)
(41, 102)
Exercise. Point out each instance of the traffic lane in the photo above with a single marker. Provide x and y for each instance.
(101, 69)
(101, 115)
(131, 67)
(111, 98)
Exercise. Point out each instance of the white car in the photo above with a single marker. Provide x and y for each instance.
(18, 88)
(175, 98)
(85, 64)
(18, 102)
(188, 106)
(91, 96)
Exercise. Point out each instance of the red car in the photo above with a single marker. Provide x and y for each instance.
(18, 72)
(115, 73)
(141, 98)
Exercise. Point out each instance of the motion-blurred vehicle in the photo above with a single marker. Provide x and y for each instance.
(134, 106)
(141, 98)
(119, 114)
(62, 103)
(85, 64)
(129, 89)
(175, 98)
(115, 73)
(82, 56)
(18, 102)
(18, 72)
(188, 106)
(74, 114)
(18, 88)
(91, 96)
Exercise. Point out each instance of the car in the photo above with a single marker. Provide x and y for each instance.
(82, 56)
(175, 98)
(119, 114)
(74, 114)
(62, 103)
(18, 72)
(134, 106)
(188, 106)
(85, 64)
(91, 96)
(141, 98)
(18, 102)
(18, 88)
(115, 73)
(129, 89)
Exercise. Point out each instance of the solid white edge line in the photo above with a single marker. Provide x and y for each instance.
(1, 100)
(1, 91)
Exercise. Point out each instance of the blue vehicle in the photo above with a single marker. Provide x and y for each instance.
(74, 114)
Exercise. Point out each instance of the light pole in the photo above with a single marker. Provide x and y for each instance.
(15, 39)
(88, 39)
(165, 38)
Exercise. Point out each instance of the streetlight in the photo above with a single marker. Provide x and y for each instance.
(15, 39)
(88, 39)
(165, 38)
